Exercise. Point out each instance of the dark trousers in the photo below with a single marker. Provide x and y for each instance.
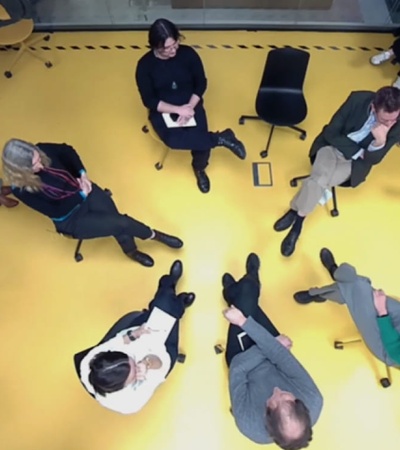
(164, 299)
(197, 139)
(99, 217)
(244, 294)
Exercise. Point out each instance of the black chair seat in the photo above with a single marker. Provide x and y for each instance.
(279, 110)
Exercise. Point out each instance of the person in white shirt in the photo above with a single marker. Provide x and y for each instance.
(359, 136)
(124, 370)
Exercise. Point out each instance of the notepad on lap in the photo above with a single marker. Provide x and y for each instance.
(173, 124)
(161, 322)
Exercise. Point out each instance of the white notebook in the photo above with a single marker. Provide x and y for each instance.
(172, 124)
(161, 322)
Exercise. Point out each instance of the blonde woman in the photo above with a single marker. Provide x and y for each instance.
(51, 179)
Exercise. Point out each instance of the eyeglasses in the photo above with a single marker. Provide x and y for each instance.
(173, 46)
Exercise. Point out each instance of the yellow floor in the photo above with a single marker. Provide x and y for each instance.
(53, 307)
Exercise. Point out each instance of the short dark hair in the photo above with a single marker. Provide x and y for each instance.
(387, 99)
(109, 371)
(274, 427)
(160, 31)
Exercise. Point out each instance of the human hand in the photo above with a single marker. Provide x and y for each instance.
(85, 184)
(380, 131)
(234, 316)
(185, 111)
(141, 371)
(285, 341)
(380, 300)
(182, 120)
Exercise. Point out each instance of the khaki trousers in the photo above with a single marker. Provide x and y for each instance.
(330, 169)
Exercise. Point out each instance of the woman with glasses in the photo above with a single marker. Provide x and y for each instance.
(171, 81)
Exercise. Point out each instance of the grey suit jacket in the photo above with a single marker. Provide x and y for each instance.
(254, 373)
(351, 117)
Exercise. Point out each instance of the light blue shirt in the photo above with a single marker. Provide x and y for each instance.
(358, 136)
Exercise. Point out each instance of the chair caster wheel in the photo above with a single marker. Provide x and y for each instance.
(181, 358)
(241, 121)
(48, 64)
(334, 213)
(218, 349)
(264, 153)
(158, 166)
(8, 74)
(145, 129)
(303, 136)
(46, 38)
(78, 257)
(338, 345)
(293, 183)
(385, 382)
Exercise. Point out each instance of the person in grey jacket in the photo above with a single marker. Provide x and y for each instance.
(273, 397)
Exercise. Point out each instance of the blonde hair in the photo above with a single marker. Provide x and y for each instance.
(17, 164)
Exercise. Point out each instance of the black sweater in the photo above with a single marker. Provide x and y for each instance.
(172, 80)
(63, 157)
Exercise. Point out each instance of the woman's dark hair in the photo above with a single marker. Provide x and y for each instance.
(109, 371)
(160, 31)
(387, 99)
(274, 425)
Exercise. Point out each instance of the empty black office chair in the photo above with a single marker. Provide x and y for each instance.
(334, 211)
(280, 100)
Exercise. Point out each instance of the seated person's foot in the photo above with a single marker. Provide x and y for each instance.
(228, 139)
(170, 241)
(253, 265)
(380, 58)
(203, 182)
(328, 261)
(285, 221)
(176, 270)
(289, 243)
(187, 298)
(141, 258)
(8, 202)
(5, 190)
(227, 280)
(305, 297)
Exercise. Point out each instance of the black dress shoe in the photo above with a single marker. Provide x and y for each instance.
(176, 270)
(253, 265)
(305, 297)
(328, 261)
(228, 139)
(289, 243)
(141, 258)
(227, 280)
(285, 221)
(203, 182)
(170, 241)
(188, 298)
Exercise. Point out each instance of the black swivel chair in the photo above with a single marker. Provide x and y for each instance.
(334, 211)
(280, 100)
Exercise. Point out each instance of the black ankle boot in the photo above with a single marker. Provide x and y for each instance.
(304, 297)
(203, 182)
(328, 261)
(285, 221)
(228, 139)
(166, 239)
(176, 270)
(141, 258)
(188, 298)
(289, 243)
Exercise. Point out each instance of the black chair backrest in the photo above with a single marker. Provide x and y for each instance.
(122, 324)
(285, 69)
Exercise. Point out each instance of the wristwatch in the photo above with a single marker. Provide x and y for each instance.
(131, 335)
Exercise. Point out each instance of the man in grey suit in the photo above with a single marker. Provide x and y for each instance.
(376, 316)
(273, 397)
(358, 137)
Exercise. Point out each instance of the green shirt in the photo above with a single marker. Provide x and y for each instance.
(390, 338)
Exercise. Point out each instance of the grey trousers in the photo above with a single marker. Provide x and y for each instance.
(357, 293)
(330, 168)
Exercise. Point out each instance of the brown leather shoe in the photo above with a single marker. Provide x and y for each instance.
(6, 190)
(8, 202)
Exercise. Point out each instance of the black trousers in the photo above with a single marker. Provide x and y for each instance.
(244, 294)
(396, 50)
(197, 139)
(99, 217)
(164, 299)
